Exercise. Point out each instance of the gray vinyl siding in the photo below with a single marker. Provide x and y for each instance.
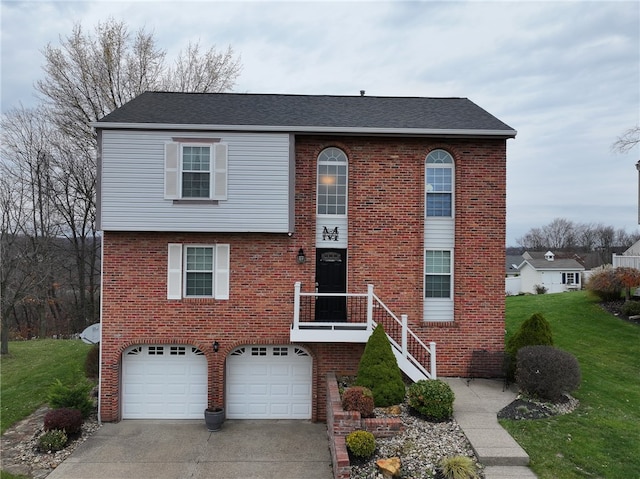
(132, 194)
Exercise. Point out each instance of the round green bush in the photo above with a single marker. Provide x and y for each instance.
(546, 372)
(358, 398)
(361, 443)
(432, 398)
(378, 370)
(53, 440)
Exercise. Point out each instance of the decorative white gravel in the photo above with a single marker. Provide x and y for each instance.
(420, 447)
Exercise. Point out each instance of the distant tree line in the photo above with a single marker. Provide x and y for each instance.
(49, 243)
(563, 235)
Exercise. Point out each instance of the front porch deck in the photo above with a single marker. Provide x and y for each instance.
(355, 323)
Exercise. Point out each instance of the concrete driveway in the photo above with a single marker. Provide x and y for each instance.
(248, 449)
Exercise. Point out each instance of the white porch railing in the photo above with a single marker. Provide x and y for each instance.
(364, 311)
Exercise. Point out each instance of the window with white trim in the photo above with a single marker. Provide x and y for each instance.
(332, 182)
(196, 170)
(439, 184)
(570, 278)
(437, 277)
(198, 271)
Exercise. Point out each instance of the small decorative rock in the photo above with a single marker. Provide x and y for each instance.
(393, 410)
(389, 467)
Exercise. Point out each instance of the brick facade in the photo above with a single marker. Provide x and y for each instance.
(386, 231)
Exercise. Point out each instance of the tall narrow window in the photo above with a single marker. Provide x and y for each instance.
(437, 282)
(439, 184)
(332, 182)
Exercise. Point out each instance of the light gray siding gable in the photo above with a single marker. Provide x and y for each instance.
(133, 195)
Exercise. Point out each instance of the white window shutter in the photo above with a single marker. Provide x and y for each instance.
(171, 170)
(174, 271)
(219, 190)
(222, 271)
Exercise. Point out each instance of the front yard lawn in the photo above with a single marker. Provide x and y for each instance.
(29, 370)
(600, 439)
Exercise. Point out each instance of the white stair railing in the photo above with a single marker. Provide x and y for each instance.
(410, 351)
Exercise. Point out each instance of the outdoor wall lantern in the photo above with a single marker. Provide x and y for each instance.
(216, 346)
(301, 257)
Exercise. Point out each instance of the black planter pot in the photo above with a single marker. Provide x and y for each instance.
(213, 418)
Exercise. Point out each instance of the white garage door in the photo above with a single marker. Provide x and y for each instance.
(164, 382)
(269, 382)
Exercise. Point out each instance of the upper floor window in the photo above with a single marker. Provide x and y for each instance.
(439, 184)
(332, 182)
(196, 170)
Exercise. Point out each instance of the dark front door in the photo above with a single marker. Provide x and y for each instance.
(331, 277)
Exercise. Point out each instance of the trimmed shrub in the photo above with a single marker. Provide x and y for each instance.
(72, 397)
(361, 443)
(358, 398)
(64, 419)
(535, 330)
(631, 308)
(458, 467)
(432, 398)
(378, 370)
(53, 440)
(604, 283)
(540, 289)
(92, 362)
(546, 372)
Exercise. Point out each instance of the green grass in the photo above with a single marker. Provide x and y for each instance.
(29, 370)
(600, 439)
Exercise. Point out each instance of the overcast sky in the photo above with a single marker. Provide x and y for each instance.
(565, 75)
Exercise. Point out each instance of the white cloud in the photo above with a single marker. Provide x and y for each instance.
(564, 74)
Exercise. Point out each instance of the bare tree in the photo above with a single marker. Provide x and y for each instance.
(210, 71)
(32, 223)
(565, 235)
(51, 152)
(627, 140)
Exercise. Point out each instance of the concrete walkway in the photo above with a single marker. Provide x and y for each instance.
(475, 407)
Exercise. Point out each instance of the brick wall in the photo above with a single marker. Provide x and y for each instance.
(386, 226)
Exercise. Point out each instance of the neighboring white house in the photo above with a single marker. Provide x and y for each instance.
(538, 269)
(630, 257)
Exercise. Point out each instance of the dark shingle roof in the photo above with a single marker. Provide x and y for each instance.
(309, 113)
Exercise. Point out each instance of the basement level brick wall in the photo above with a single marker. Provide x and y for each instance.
(386, 249)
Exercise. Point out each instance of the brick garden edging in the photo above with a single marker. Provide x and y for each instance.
(341, 422)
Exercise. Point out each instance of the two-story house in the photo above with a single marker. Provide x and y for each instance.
(252, 242)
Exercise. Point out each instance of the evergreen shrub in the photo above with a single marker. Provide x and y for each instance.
(92, 362)
(631, 308)
(431, 398)
(378, 370)
(546, 372)
(361, 443)
(72, 397)
(534, 331)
